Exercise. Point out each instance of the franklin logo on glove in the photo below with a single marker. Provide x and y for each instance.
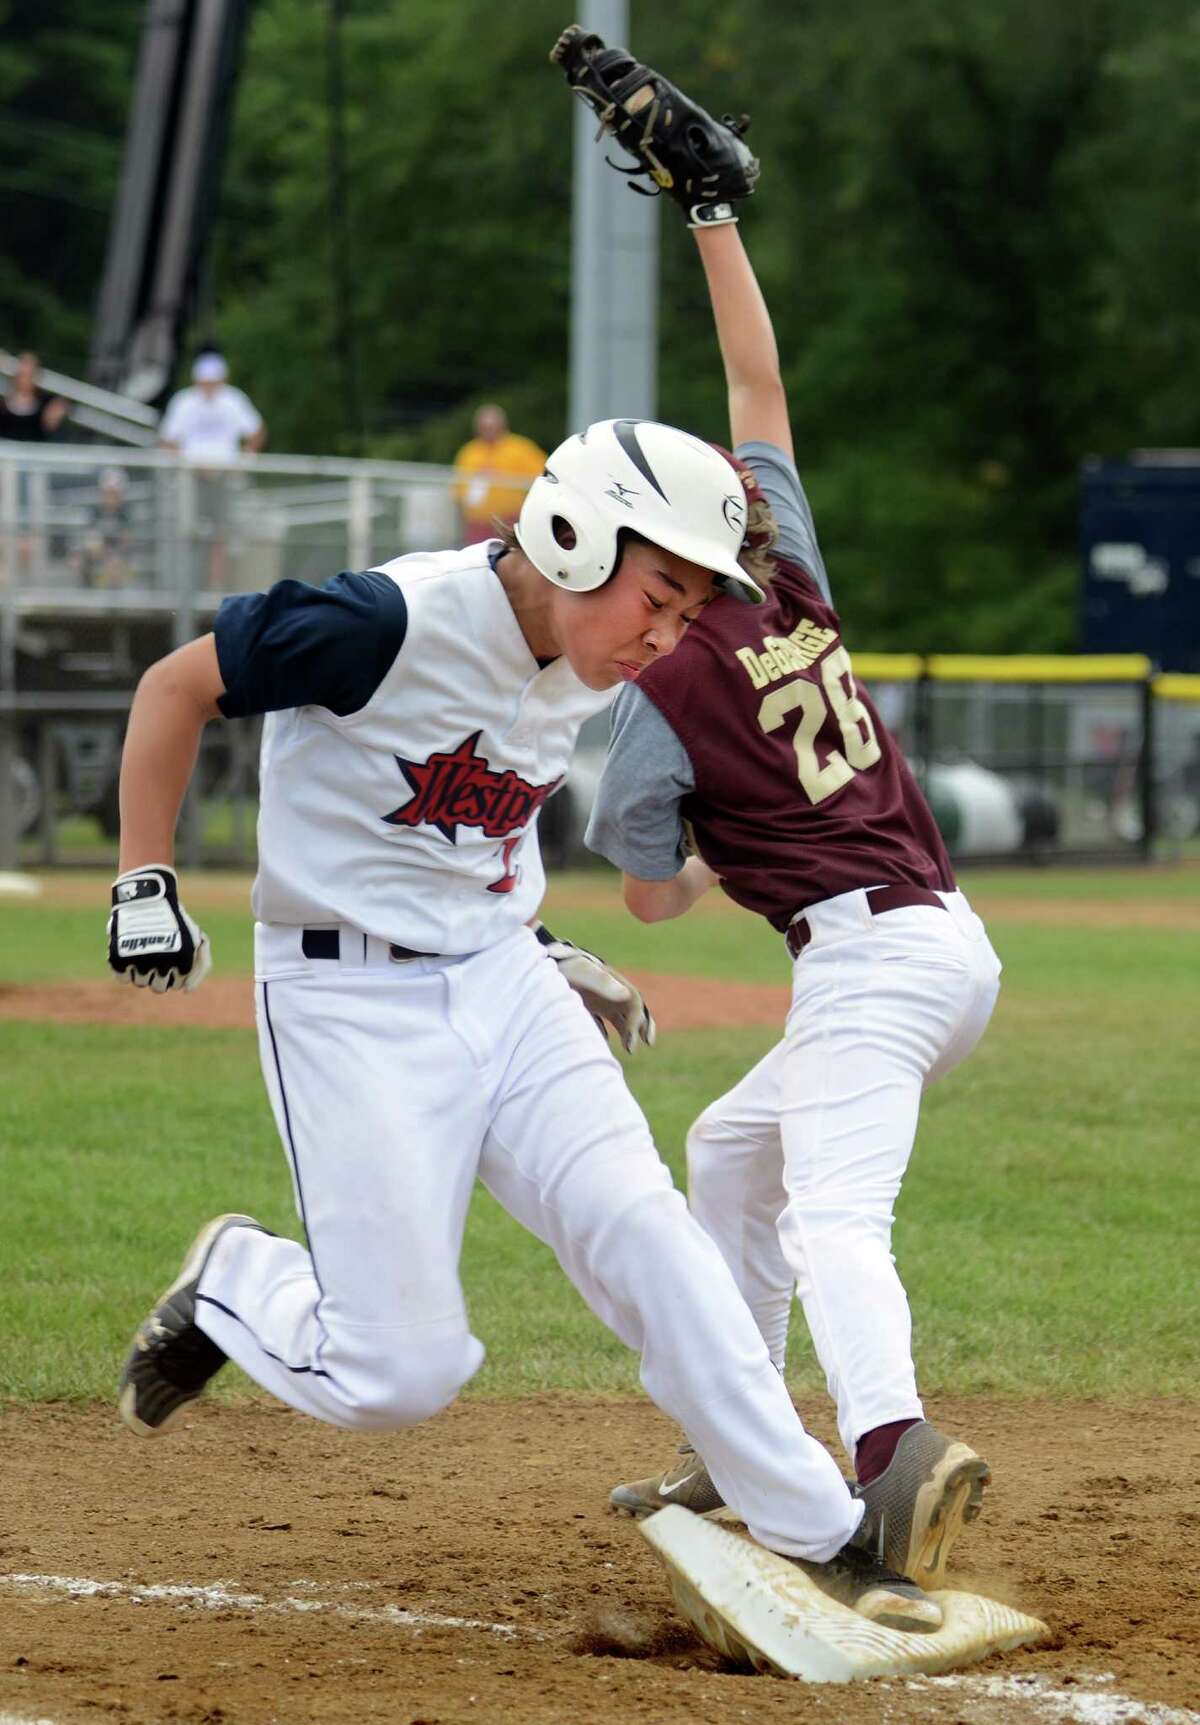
(152, 941)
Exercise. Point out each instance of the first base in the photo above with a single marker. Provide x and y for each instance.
(754, 1606)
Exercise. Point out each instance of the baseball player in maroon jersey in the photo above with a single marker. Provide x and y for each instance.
(755, 739)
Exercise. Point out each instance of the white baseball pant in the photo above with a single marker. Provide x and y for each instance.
(394, 1085)
(794, 1173)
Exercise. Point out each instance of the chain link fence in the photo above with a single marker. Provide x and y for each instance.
(1056, 758)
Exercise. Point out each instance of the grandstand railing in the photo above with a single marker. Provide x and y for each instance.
(190, 534)
(88, 599)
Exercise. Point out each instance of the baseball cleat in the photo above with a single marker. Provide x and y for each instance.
(687, 1482)
(918, 1505)
(171, 1359)
(860, 1580)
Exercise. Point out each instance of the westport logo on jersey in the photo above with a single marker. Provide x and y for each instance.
(458, 789)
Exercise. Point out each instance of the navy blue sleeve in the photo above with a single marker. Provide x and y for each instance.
(302, 646)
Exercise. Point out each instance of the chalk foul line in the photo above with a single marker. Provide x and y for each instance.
(1088, 1700)
(1029, 1695)
(221, 1595)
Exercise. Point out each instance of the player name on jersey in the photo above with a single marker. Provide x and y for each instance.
(782, 655)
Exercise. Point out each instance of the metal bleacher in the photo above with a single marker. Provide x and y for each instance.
(88, 601)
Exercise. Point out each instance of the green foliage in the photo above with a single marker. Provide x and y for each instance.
(66, 69)
(458, 220)
(977, 229)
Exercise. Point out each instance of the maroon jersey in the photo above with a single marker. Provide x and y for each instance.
(801, 793)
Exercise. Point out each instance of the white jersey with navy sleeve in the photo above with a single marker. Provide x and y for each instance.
(414, 818)
(415, 1035)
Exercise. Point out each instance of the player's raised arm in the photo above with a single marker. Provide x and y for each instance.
(704, 166)
(757, 403)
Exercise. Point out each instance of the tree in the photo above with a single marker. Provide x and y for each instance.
(976, 227)
(66, 68)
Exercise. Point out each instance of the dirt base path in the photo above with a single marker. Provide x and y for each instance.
(227, 1003)
(257, 1567)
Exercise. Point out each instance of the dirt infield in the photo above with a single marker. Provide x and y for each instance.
(227, 1003)
(257, 1567)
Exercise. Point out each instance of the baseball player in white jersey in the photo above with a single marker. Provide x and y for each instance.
(415, 1032)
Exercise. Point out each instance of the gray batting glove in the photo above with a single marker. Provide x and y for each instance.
(609, 997)
(152, 941)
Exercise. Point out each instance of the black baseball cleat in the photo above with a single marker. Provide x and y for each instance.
(171, 1359)
(860, 1580)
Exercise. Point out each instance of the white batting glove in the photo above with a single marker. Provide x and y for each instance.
(608, 996)
(152, 941)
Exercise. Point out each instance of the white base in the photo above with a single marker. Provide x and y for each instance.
(754, 1606)
(22, 885)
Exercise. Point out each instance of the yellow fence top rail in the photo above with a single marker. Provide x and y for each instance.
(889, 667)
(1177, 686)
(1038, 667)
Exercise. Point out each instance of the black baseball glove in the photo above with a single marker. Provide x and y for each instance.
(700, 162)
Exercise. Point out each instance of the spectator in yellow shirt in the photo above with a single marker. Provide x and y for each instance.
(495, 469)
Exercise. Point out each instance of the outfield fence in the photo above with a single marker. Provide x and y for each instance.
(1055, 757)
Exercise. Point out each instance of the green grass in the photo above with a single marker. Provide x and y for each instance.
(71, 941)
(1173, 882)
(1046, 1231)
(80, 839)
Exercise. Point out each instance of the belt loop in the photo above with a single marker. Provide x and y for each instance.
(354, 948)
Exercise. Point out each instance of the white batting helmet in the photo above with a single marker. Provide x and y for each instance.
(663, 484)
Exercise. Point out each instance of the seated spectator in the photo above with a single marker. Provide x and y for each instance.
(488, 466)
(104, 552)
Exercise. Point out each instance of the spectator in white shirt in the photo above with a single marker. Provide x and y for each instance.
(211, 425)
(212, 422)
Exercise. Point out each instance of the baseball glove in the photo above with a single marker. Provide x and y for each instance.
(610, 997)
(700, 162)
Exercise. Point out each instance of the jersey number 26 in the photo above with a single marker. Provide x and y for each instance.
(836, 694)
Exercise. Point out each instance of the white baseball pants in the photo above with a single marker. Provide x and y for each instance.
(794, 1173)
(394, 1085)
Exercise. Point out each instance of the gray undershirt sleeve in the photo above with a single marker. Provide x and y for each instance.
(635, 819)
(780, 483)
